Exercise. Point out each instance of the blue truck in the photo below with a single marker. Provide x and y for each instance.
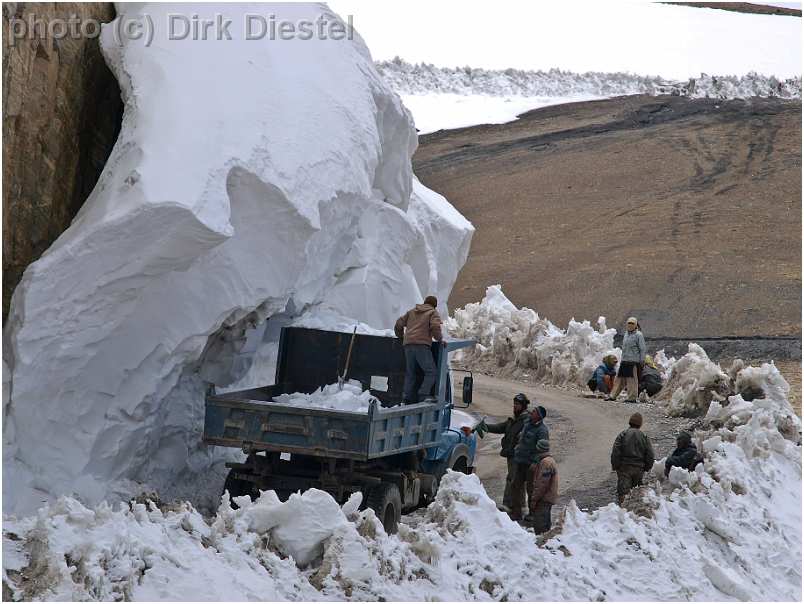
(395, 454)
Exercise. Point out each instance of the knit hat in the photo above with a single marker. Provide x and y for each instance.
(635, 420)
(543, 445)
(632, 320)
(541, 410)
(521, 399)
(432, 301)
(683, 438)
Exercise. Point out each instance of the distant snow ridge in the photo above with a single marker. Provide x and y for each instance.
(422, 78)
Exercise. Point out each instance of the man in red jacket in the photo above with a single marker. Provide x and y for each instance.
(418, 328)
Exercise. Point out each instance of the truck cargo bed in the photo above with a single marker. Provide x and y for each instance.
(249, 419)
(309, 359)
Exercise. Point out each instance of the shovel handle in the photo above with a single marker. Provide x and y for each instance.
(349, 355)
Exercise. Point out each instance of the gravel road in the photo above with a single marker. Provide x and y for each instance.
(582, 430)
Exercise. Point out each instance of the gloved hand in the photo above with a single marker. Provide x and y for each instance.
(481, 428)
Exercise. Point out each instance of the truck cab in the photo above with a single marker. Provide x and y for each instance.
(394, 454)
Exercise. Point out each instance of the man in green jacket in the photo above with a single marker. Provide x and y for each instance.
(631, 456)
(526, 454)
(510, 429)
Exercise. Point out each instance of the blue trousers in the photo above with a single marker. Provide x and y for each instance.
(418, 356)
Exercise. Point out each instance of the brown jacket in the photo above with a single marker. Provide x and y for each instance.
(420, 325)
(545, 481)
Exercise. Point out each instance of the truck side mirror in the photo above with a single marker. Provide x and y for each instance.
(467, 390)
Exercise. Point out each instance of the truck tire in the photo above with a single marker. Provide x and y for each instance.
(236, 487)
(386, 502)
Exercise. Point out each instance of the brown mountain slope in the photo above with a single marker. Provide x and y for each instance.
(686, 213)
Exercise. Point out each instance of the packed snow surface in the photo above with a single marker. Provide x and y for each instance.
(349, 396)
(254, 183)
(439, 111)
(730, 530)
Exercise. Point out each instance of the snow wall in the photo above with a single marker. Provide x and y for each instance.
(254, 183)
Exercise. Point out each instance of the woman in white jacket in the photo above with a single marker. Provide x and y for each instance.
(634, 351)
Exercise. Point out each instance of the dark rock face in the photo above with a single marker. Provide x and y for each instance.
(61, 117)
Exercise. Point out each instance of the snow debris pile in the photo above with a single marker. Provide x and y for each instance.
(424, 78)
(729, 529)
(519, 341)
(283, 189)
(350, 397)
(692, 382)
(698, 386)
(733, 87)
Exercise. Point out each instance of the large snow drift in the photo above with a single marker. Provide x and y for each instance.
(251, 180)
(730, 530)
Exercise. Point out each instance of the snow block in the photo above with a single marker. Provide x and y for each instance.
(251, 179)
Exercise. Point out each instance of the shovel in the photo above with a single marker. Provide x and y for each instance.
(342, 378)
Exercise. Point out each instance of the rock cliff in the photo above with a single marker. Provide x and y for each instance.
(61, 116)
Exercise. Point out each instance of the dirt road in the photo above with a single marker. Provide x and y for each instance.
(582, 431)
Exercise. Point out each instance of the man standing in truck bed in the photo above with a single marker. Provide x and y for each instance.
(418, 328)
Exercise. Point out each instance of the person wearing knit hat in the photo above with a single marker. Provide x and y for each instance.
(525, 454)
(685, 454)
(544, 491)
(510, 429)
(631, 456)
(633, 357)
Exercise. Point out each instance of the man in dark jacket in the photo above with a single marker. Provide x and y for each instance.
(418, 328)
(631, 456)
(685, 455)
(525, 454)
(510, 430)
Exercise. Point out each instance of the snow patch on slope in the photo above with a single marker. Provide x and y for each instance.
(282, 190)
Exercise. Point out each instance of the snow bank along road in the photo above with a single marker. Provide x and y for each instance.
(582, 431)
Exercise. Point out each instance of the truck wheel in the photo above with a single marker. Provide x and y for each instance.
(236, 487)
(386, 502)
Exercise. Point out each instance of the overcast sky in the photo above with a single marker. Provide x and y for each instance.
(645, 38)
